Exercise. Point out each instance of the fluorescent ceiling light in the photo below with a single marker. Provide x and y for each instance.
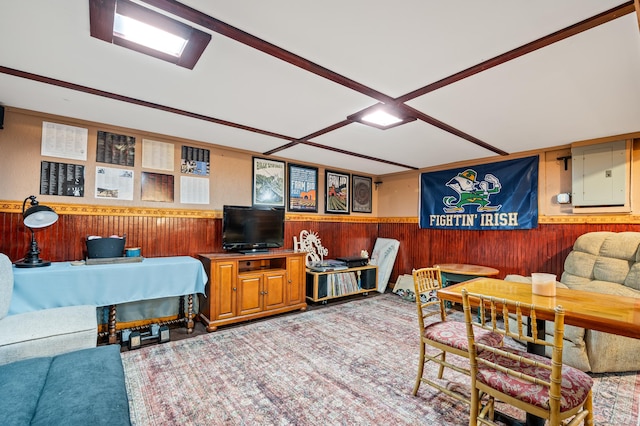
(147, 35)
(146, 31)
(381, 118)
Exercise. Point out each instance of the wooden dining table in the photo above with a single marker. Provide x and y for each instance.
(596, 311)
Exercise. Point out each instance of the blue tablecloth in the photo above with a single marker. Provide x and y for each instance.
(63, 284)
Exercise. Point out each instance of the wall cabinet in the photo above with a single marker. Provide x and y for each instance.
(322, 286)
(242, 287)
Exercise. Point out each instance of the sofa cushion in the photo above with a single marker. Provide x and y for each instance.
(603, 256)
(91, 383)
(607, 287)
(47, 332)
(621, 245)
(574, 281)
(6, 284)
(20, 386)
(633, 278)
(611, 269)
(579, 264)
(591, 242)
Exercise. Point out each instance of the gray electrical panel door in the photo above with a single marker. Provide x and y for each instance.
(599, 174)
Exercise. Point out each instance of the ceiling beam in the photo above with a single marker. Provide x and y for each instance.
(306, 141)
(444, 126)
(206, 21)
(234, 33)
(117, 97)
(560, 35)
(220, 27)
(134, 101)
(355, 154)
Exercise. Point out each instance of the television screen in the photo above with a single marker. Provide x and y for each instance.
(250, 229)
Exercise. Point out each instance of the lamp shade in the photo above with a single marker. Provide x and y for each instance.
(39, 216)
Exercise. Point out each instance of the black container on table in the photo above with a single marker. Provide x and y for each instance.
(105, 247)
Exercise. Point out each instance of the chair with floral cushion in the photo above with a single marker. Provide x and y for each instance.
(446, 336)
(540, 386)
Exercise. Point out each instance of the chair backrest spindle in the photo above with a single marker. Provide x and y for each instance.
(493, 369)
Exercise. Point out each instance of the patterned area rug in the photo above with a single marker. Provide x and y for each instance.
(352, 363)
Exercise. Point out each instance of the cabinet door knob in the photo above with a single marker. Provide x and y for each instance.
(234, 289)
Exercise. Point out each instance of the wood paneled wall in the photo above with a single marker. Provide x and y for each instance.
(165, 236)
(157, 236)
(340, 238)
(543, 249)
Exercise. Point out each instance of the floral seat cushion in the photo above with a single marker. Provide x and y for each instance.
(454, 334)
(575, 383)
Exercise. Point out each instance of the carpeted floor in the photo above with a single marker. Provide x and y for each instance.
(352, 363)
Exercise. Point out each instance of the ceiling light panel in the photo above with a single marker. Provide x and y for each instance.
(143, 30)
(148, 35)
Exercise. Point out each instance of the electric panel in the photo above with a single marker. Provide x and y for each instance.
(599, 174)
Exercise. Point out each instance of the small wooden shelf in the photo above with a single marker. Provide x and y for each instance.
(323, 286)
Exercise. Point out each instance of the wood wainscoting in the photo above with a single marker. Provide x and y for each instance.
(166, 232)
(522, 252)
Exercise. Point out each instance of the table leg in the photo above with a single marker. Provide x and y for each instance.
(113, 338)
(190, 315)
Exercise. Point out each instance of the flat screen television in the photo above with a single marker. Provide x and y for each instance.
(252, 229)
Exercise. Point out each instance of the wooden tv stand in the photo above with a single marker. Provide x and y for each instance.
(243, 287)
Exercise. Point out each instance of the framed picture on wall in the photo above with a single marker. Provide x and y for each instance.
(361, 194)
(268, 182)
(303, 188)
(336, 192)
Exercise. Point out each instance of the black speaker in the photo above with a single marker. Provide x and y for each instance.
(1, 117)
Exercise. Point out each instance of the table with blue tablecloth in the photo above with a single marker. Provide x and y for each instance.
(63, 284)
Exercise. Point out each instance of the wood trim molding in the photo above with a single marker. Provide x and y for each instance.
(591, 219)
(93, 210)
(398, 219)
(293, 217)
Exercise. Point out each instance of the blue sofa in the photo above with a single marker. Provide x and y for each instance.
(84, 387)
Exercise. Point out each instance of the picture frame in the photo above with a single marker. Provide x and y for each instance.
(361, 194)
(268, 183)
(303, 188)
(337, 190)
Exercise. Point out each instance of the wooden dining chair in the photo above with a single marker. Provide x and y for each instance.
(540, 386)
(446, 336)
